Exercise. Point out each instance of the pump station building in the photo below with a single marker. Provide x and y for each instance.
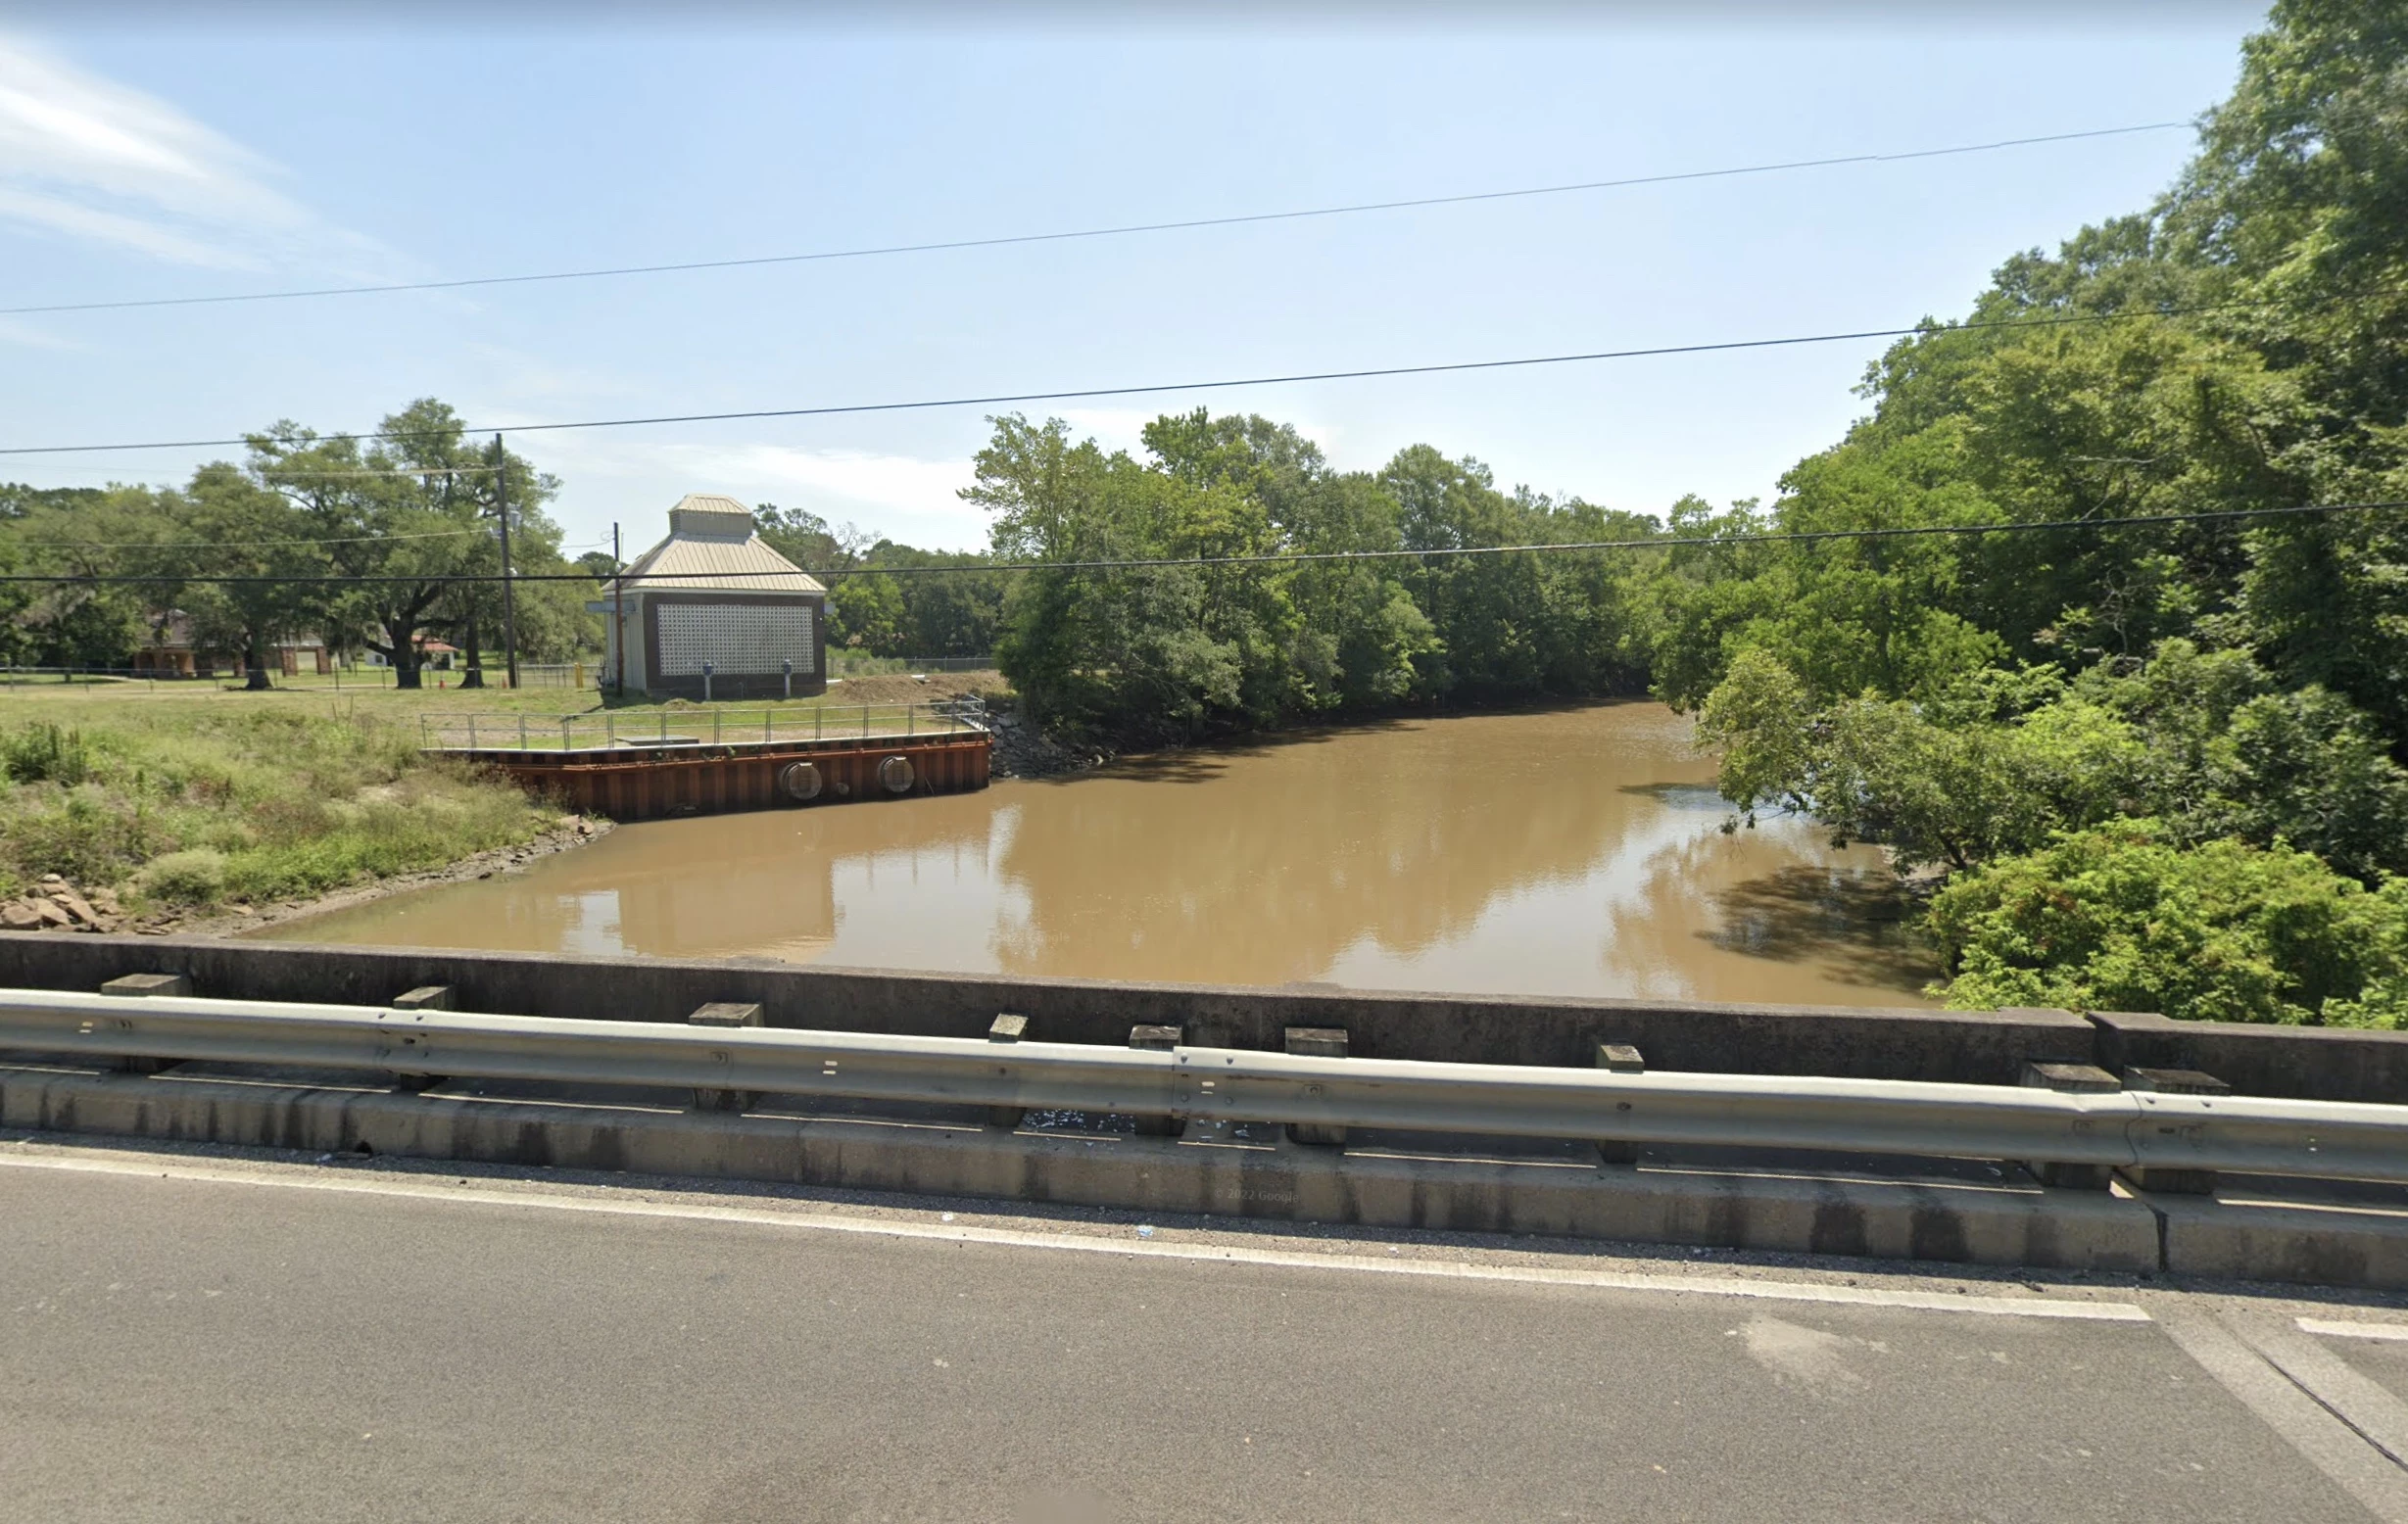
(711, 611)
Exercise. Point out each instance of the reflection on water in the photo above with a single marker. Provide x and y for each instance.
(1576, 852)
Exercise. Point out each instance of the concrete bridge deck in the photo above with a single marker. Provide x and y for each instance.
(205, 1335)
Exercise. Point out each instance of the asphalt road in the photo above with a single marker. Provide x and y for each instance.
(201, 1338)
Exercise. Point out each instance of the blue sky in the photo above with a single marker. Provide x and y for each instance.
(137, 164)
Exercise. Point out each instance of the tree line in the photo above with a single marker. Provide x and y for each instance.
(401, 514)
(945, 605)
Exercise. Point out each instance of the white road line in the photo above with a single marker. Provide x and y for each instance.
(2395, 1332)
(2380, 1418)
(1087, 1243)
(2307, 1425)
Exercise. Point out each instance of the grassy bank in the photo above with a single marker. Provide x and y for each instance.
(191, 796)
(190, 801)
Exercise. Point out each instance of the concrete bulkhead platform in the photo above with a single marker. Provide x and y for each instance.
(635, 783)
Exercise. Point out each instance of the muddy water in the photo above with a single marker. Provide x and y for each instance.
(1576, 852)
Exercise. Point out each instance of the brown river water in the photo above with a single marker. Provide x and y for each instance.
(1566, 853)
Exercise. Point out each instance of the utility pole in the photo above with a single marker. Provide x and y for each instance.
(618, 610)
(509, 600)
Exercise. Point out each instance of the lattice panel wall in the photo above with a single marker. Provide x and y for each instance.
(733, 638)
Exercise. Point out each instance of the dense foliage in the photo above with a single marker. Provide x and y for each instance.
(2162, 758)
(1184, 649)
(2119, 919)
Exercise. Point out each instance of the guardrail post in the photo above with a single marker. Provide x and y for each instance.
(1320, 1042)
(149, 985)
(2173, 1179)
(426, 998)
(1158, 1039)
(140, 984)
(1007, 1027)
(2071, 1079)
(1622, 1059)
(522, 732)
(725, 1014)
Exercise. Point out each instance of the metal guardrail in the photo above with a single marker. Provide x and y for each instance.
(2249, 1135)
(722, 725)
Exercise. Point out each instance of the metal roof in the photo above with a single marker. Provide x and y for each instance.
(711, 546)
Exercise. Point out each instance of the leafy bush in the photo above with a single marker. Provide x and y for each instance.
(87, 834)
(2123, 919)
(191, 877)
(43, 752)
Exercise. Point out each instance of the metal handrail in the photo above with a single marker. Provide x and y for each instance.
(2243, 1134)
(721, 724)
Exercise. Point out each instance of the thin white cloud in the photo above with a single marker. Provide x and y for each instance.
(1114, 428)
(94, 159)
(906, 499)
(894, 482)
(27, 336)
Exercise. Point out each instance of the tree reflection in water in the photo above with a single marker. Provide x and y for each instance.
(1572, 852)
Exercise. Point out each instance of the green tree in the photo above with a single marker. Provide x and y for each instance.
(1902, 775)
(405, 516)
(84, 534)
(257, 537)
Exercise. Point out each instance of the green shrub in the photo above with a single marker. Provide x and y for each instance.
(2122, 919)
(43, 752)
(86, 833)
(191, 877)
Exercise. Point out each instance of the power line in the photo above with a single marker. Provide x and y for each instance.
(1662, 543)
(1123, 230)
(270, 475)
(1304, 558)
(263, 544)
(399, 470)
(243, 544)
(1977, 325)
